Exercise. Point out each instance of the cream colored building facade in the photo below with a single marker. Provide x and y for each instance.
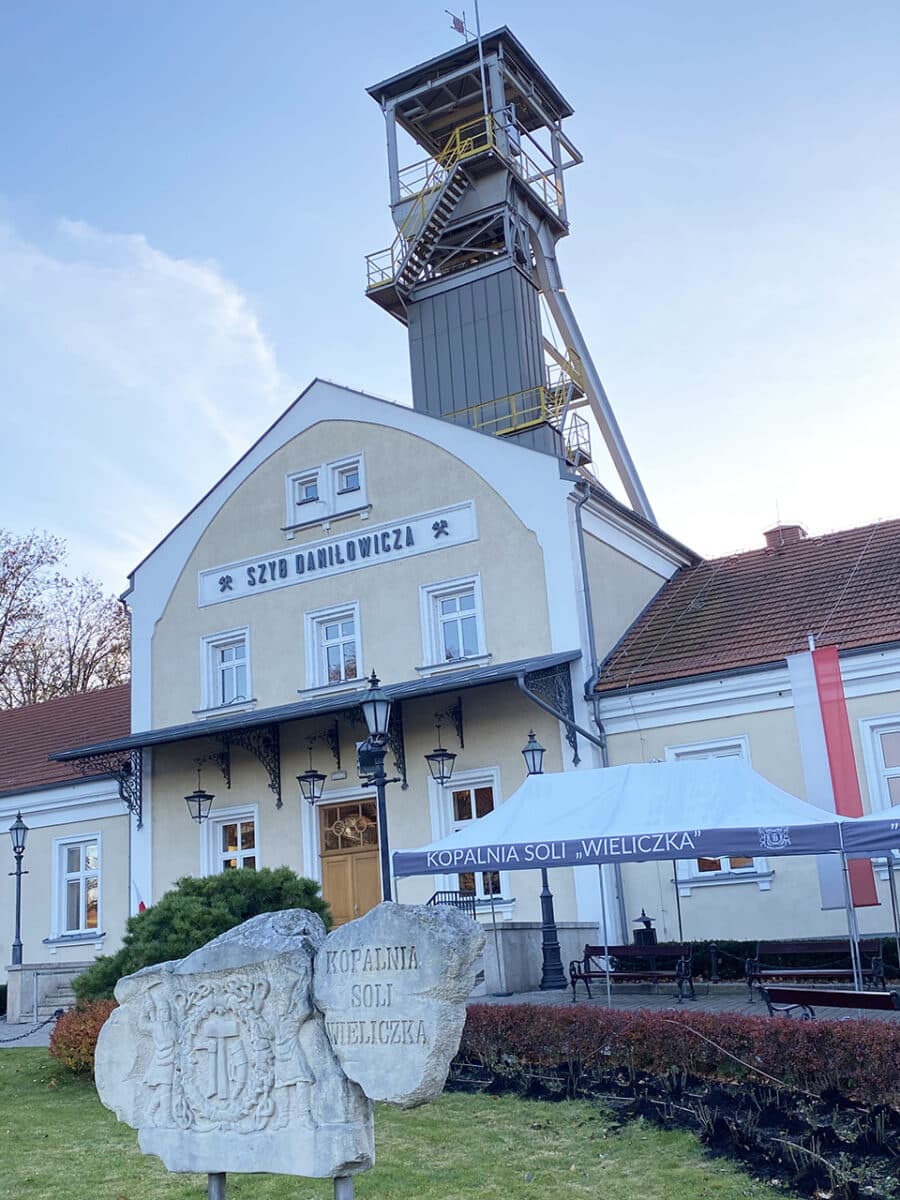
(360, 535)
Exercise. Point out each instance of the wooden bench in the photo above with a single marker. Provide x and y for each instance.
(823, 959)
(788, 999)
(635, 964)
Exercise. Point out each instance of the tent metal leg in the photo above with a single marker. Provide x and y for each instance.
(605, 936)
(852, 927)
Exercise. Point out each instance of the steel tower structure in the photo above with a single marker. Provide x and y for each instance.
(477, 222)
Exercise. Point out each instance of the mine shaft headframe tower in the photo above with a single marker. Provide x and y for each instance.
(477, 225)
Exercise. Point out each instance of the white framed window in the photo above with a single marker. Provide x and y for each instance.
(77, 886)
(226, 669)
(880, 738)
(452, 622)
(469, 796)
(306, 489)
(231, 840)
(330, 489)
(881, 758)
(727, 869)
(333, 653)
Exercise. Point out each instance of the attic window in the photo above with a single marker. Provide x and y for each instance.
(331, 489)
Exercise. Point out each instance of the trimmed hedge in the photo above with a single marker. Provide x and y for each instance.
(74, 1037)
(856, 1058)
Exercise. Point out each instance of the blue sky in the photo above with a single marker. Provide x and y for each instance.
(187, 193)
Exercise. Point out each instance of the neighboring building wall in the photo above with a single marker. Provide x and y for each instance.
(757, 717)
(86, 818)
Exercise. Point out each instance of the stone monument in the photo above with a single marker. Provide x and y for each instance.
(264, 1050)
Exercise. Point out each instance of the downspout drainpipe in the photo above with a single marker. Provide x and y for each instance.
(591, 683)
(523, 687)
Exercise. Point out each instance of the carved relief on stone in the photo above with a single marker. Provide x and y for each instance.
(224, 1062)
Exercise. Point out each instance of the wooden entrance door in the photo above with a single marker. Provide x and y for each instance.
(351, 879)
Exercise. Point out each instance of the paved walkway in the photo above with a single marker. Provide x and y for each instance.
(718, 998)
(23, 1035)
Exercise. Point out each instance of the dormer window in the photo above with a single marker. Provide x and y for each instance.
(307, 488)
(332, 489)
(348, 479)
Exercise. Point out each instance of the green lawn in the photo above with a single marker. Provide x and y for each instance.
(59, 1143)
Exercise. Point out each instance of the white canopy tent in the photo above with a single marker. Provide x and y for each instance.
(636, 813)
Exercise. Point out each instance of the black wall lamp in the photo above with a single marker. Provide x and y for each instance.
(199, 802)
(311, 781)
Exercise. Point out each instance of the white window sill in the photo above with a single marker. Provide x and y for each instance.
(325, 518)
(75, 939)
(222, 710)
(456, 664)
(762, 879)
(332, 689)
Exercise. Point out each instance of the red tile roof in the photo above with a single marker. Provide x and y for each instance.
(29, 734)
(756, 607)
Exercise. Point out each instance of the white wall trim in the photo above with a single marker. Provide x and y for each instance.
(717, 696)
(70, 803)
(56, 900)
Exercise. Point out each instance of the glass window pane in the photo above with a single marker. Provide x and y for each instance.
(490, 882)
(73, 905)
(449, 605)
(229, 864)
(332, 631)
(91, 857)
(890, 748)
(248, 835)
(333, 663)
(469, 635)
(249, 862)
(462, 806)
(467, 883)
(92, 889)
(349, 660)
(739, 864)
(347, 628)
(451, 640)
(467, 602)
(709, 864)
(484, 801)
(229, 837)
(240, 682)
(73, 859)
(894, 789)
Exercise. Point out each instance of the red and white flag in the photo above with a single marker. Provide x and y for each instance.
(139, 905)
(829, 764)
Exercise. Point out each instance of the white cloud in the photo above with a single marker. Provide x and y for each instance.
(131, 381)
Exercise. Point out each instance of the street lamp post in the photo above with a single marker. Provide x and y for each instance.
(552, 976)
(18, 831)
(377, 711)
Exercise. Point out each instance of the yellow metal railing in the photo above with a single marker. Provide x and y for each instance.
(420, 182)
(541, 405)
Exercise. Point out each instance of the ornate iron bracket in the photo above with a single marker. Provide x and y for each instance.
(395, 741)
(265, 746)
(455, 713)
(553, 685)
(126, 770)
(222, 759)
(331, 737)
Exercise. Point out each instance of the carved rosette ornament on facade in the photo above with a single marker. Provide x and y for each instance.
(224, 1061)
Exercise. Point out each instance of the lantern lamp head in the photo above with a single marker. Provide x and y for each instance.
(376, 709)
(199, 802)
(533, 753)
(18, 831)
(312, 782)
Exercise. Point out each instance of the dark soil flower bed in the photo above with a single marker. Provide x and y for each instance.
(812, 1127)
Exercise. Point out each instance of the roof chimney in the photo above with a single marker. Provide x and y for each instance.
(784, 535)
